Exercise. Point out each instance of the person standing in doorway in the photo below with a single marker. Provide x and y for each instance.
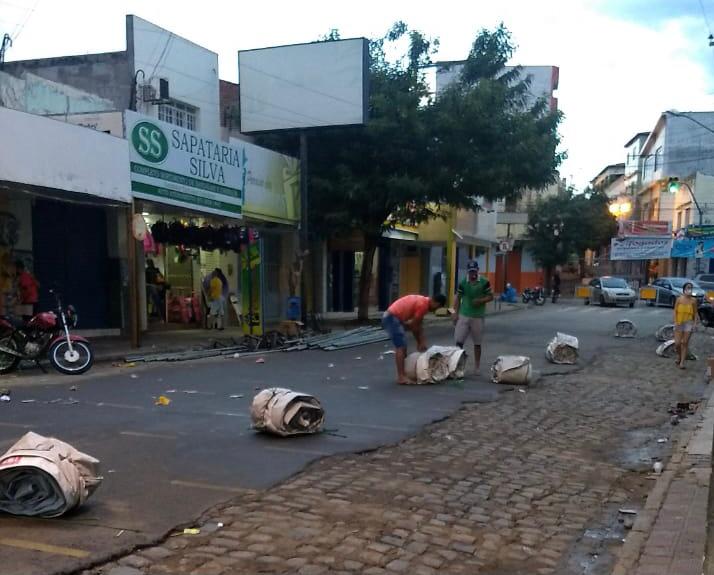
(216, 294)
(27, 291)
(407, 313)
(685, 318)
(472, 296)
(156, 289)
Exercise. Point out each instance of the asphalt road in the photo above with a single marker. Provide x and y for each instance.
(164, 465)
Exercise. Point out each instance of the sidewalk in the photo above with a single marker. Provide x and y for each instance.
(108, 349)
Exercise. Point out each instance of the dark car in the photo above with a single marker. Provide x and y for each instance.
(669, 289)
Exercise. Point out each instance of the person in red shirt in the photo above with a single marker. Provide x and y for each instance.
(27, 290)
(408, 313)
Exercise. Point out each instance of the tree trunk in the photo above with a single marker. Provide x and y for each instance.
(365, 277)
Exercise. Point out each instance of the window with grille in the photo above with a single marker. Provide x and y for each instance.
(179, 114)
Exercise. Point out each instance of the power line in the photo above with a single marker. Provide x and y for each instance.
(17, 33)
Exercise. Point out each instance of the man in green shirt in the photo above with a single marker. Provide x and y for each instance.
(472, 296)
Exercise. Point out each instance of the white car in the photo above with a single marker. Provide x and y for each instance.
(609, 290)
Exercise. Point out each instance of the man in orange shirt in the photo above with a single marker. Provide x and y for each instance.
(407, 313)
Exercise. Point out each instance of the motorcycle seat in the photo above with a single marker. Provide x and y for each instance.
(13, 320)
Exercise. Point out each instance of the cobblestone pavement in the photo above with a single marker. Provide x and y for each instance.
(530, 484)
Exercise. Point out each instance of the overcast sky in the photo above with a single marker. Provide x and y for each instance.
(622, 62)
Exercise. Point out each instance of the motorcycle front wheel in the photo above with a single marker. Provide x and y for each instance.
(8, 361)
(74, 362)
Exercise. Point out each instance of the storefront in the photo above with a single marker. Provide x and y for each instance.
(202, 205)
(64, 200)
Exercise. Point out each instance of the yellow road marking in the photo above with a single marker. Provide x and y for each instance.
(42, 547)
(142, 434)
(209, 486)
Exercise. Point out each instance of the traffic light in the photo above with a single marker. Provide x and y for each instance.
(673, 185)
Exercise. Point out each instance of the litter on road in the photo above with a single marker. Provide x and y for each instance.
(285, 412)
(435, 365)
(513, 369)
(625, 328)
(162, 400)
(45, 477)
(563, 349)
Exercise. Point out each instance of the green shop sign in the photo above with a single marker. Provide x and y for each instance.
(180, 167)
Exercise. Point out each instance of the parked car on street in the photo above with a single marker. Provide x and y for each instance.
(705, 281)
(669, 289)
(609, 290)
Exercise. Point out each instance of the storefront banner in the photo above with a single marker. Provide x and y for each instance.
(180, 167)
(645, 228)
(640, 248)
(705, 231)
(272, 186)
(693, 248)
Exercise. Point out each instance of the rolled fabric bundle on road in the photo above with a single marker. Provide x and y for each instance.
(625, 328)
(45, 477)
(285, 412)
(563, 349)
(513, 369)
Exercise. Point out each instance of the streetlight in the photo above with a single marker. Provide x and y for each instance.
(673, 186)
(620, 209)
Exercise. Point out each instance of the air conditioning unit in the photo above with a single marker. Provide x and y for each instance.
(155, 91)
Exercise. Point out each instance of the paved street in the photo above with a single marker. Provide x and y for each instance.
(512, 481)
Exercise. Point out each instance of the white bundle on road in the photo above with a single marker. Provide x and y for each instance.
(625, 328)
(513, 369)
(285, 412)
(45, 477)
(435, 365)
(666, 349)
(665, 333)
(563, 349)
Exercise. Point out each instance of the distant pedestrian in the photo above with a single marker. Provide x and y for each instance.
(407, 313)
(217, 295)
(685, 319)
(472, 295)
(27, 291)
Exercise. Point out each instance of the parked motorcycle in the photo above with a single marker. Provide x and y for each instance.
(46, 333)
(536, 295)
(706, 313)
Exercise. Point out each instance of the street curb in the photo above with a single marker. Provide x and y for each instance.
(693, 455)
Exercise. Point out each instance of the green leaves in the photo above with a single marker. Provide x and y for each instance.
(565, 225)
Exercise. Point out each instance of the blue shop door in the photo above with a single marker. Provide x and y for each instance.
(69, 245)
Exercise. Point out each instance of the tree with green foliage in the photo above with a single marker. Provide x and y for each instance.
(418, 154)
(563, 226)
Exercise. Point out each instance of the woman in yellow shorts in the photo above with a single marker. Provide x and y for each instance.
(685, 318)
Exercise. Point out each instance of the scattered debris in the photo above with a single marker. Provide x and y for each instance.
(45, 477)
(625, 328)
(665, 332)
(236, 356)
(28, 401)
(666, 349)
(627, 511)
(435, 365)
(120, 533)
(389, 352)
(363, 387)
(73, 388)
(260, 360)
(358, 358)
(563, 349)
(662, 440)
(514, 369)
(191, 531)
(162, 400)
(285, 412)
(236, 396)
(342, 340)
(658, 467)
(170, 391)
(628, 523)
(4, 397)
(330, 365)
(134, 376)
(674, 420)
(521, 390)
(381, 357)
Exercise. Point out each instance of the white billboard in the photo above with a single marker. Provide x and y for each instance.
(304, 85)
